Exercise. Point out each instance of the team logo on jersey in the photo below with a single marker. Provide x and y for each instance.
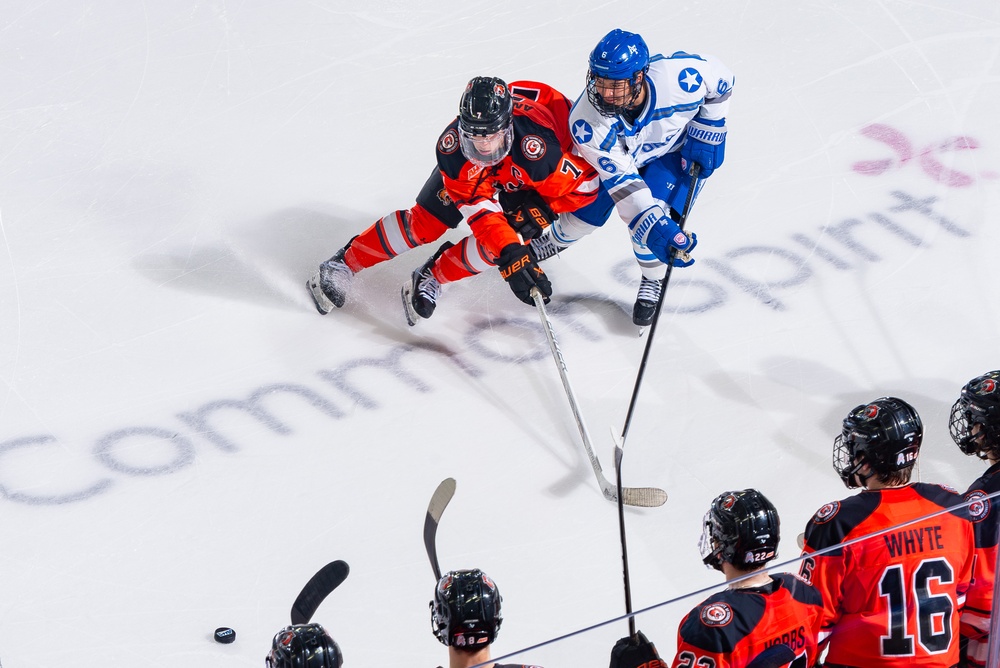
(717, 614)
(582, 132)
(980, 508)
(826, 513)
(722, 87)
(532, 147)
(689, 80)
(448, 142)
(444, 197)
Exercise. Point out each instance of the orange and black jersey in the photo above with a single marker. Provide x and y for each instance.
(986, 527)
(895, 598)
(734, 626)
(540, 159)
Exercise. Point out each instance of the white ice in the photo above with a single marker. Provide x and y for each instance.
(172, 172)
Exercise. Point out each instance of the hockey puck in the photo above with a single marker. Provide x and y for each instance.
(225, 635)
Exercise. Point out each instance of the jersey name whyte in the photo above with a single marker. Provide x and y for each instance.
(911, 541)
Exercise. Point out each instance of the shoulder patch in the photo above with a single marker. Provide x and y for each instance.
(448, 143)
(827, 512)
(582, 132)
(689, 80)
(533, 147)
(716, 614)
(979, 510)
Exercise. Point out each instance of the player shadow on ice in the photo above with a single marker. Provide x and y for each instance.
(264, 262)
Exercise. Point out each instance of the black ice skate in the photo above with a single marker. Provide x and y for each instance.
(420, 293)
(330, 284)
(545, 247)
(645, 301)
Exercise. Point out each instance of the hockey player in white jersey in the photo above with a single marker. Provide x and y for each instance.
(643, 122)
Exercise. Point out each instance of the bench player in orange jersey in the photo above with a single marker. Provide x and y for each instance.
(504, 166)
(894, 599)
(759, 619)
(975, 428)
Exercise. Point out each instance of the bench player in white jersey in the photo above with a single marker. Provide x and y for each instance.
(642, 123)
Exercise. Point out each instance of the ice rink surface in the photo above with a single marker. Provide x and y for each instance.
(184, 440)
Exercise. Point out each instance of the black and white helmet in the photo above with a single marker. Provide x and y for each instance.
(884, 434)
(741, 528)
(975, 417)
(485, 121)
(303, 646)
(465, 612)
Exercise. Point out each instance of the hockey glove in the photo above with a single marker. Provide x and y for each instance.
(662, 236)
(705, 144)
(526, 212)
(639, 653)
(518, 267)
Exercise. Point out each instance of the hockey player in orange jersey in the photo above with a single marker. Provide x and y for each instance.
(760, 619)
(975, 428)
(504, 166)
(894, 599)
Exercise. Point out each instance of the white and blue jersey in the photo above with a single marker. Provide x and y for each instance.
(637, 161)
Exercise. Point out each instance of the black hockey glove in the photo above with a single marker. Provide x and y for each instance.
(526, 212)
(519, 268)
(638, 653)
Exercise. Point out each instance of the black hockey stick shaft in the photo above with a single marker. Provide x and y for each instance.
(620, 444)
(659, 306)
(439, 501)
(621, 530)
(317, 589)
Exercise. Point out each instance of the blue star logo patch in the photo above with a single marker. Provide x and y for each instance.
(582, 132)
(689, 80)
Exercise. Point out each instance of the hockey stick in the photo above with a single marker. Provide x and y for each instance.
(620, 442)
(648, 497)
(439, 501)
(317, 589)
(659, 307)
(621, 531)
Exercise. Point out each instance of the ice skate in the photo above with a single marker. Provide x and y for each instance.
(330, 284)
(420, 293)
(645, 302)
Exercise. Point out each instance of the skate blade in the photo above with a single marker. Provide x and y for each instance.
(323, 303)
(406, 293)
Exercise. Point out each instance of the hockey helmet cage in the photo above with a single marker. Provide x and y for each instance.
(485, 121)
(975, 418)
(465, 612)
(740, 528)
(304, 646)
(884, 434)
(613, 81)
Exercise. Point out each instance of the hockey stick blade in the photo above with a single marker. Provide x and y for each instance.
(317, 589)
(439, 501)
(647, 497)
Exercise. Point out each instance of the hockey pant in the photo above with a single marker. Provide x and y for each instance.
(669, 185)
(428, 220)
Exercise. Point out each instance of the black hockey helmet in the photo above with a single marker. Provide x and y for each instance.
(975, 417)
(741, 528)
(304, 646)
(465, 612)
(885, 434)
(485, 121)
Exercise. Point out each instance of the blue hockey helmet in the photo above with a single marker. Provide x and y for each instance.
(620, 56)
